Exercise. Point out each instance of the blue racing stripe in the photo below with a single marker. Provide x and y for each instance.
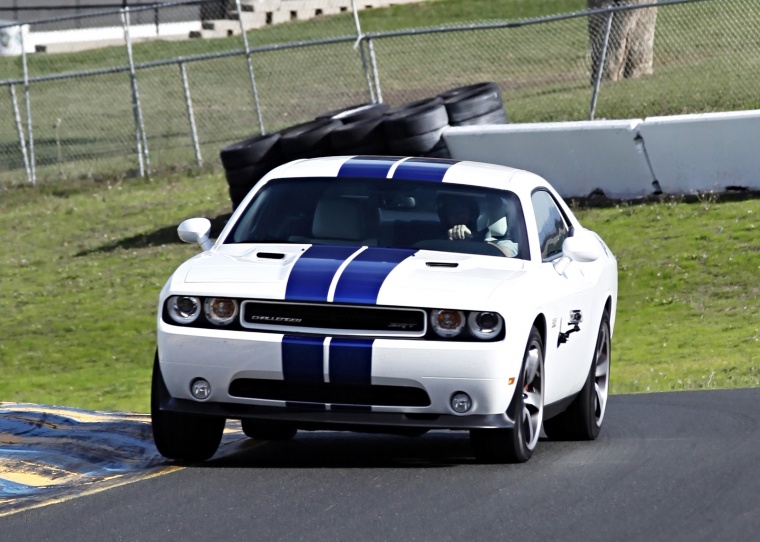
(351, 361)
(375, 167)
(312, 274)
(362, 279)
(423, 169)
(303, 359)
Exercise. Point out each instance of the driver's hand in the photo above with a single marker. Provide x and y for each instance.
(460, 232)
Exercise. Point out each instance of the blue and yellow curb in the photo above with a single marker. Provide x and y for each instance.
(50, 454)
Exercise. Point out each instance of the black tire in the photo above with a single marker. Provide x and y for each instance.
(355, 112)
(440, 150)
(418, 103)
(366, 113)
(364, 132)
(416, 121)
(583, 418)
(416, 144)
(184, 437)
(241, 181)
(498, 116)
(307, 140)
(267, 430)
(377, 149)
(466, 106)
(249, 151)
(516, 445)
(468, 89)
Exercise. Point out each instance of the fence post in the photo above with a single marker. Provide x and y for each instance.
(250, 67)
(375, 72)
(20, 131)
(599, 68)
(32, 172)
(360, 43)
(190, 115)
(142, 141)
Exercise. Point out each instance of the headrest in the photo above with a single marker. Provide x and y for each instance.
(340, 218)
(498, 228)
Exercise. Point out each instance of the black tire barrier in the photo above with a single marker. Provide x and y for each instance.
(362, 132)
(356, 112)
(499, 116)
(250, 151)
(465, 106)
(371, 111)
(416, 144)
(468, 89)
(307, 140)
(417, 103)
(440, 150)
(415, 121)
(241, 181)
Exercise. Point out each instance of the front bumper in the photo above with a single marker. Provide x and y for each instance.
(485, 371)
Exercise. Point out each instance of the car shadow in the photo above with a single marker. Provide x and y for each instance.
(162, 236)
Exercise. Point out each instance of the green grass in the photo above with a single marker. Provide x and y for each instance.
(707, 56)
(82, 266)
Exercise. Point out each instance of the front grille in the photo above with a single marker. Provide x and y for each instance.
(329, 393)
(333, 319)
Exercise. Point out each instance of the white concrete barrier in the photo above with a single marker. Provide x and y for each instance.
(683, 153)
(576, 157)
(711, 151)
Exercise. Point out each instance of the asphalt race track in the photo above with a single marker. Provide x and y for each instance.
(669, 466)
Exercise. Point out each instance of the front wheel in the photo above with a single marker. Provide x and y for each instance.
(516, 445)
(583, 418)
(184, 437)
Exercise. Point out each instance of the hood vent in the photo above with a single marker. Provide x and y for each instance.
(270, 255)
(442, 264)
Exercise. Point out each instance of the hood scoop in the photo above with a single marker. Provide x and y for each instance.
(270, 255)
(442, 264)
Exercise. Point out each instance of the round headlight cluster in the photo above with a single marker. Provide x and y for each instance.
(481, 325)
(484, 325)
(220, 311)
(184, 309)
(447, 323)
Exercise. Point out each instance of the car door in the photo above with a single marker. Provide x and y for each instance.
(567, 291)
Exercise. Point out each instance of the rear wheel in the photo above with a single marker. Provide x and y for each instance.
(516, 445)
(266, 430)
(184, 437)
(583, 418)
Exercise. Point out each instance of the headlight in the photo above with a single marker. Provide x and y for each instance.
(183, 309)
(447, 323)
(220, 311)
(484, 325)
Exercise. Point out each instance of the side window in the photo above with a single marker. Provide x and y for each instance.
(552, 229)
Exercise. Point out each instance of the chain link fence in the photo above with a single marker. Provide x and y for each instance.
(132, 104)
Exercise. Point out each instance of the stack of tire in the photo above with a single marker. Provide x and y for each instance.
(413, 129)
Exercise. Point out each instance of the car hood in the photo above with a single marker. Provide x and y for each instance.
(347, 275)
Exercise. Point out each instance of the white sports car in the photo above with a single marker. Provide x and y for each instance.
(390, 295)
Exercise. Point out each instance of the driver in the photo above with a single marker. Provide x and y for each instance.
(459, 215)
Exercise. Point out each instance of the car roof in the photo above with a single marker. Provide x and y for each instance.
(411, 168)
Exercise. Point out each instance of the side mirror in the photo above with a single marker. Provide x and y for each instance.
(583, 246)
(196, 230)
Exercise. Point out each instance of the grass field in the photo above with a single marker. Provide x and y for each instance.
(87, 251)
(83, 265)
(706, 59)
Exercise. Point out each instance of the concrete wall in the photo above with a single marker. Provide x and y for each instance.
(623, 158)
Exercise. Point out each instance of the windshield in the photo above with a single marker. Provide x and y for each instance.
(385, 213)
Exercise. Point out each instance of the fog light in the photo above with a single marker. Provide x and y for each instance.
(200, 389)
(461, 402)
